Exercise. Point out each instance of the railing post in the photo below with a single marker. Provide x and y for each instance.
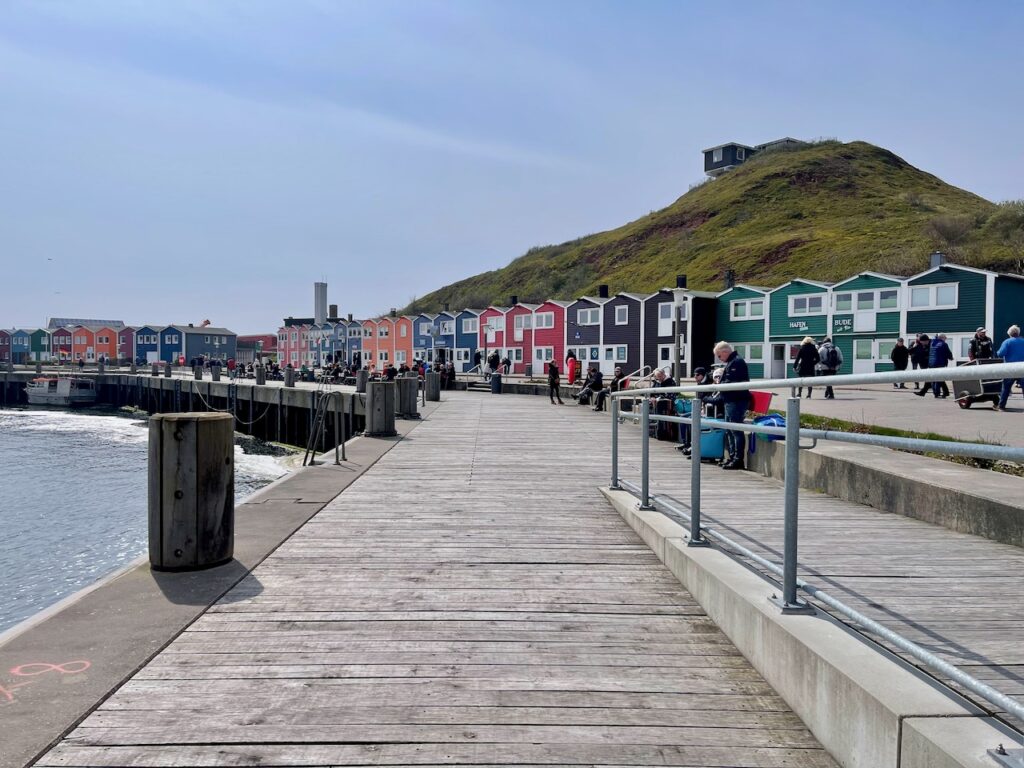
(615, 444)
(790, 603)
(645, 454)
(696, 539)
(337, 437)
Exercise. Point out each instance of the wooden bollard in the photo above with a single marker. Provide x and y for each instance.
(215, 373)
(156, 369)
(167, 370)
(197, 371)
(289, 377)
(362, 377)
(380, 409)
(39, 367)
(432, 383)
(407, 397)
(191, 490)
(261, 374)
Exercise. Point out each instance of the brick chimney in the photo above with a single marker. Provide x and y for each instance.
(602, 291)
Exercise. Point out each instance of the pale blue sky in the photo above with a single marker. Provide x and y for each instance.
(188, 160)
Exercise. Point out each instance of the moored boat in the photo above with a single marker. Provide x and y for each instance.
(61, 390)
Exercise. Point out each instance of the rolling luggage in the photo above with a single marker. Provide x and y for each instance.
(666, 430)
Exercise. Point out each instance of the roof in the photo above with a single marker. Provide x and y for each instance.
(729, 144)
(558, 303)
(593, 299)
(528, 307)
(633, 296)
(783, 140)
(894, 278)
(758, 288)
(59, 322)
(801, 280)
(204, 330)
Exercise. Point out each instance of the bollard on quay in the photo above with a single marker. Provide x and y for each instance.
(191, 490)
(362, 377)
(380, 409)
(432, 385)
(261, 374)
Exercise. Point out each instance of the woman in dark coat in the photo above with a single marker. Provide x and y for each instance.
(920, 351)
(807, 359)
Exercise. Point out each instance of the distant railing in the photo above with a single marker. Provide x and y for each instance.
(792, 432)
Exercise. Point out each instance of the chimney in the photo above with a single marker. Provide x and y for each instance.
(730, 279)
(334, 310)
(680, 281)
(602, 291)
(394, 312)
(937, 259)
(446, 306)
(191, 326)
(350, 317)
(513, 300)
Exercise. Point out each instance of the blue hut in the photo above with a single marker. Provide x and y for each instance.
(172, 343)
(21, 346)
(422, 336)
(467, 338)
(444, 337)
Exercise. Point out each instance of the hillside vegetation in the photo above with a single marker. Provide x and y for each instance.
(822, 211)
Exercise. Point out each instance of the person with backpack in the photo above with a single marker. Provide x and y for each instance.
(981, 346)
(830, 360)
(806, 361)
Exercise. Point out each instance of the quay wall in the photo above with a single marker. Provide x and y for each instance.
(269, 412)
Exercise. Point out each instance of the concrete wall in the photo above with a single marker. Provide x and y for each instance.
(964, 499)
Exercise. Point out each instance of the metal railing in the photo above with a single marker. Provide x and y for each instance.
(793, 433)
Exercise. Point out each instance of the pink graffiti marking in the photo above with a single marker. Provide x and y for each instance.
(39, 668)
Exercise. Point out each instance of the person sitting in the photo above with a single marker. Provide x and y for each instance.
(700, 376)
(593, 384)
(614, 385)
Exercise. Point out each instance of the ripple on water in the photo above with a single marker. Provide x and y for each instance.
(73, 502)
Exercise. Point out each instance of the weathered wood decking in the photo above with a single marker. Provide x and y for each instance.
(958, 596)
(470, 600)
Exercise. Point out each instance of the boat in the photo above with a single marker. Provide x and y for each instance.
(61, 390)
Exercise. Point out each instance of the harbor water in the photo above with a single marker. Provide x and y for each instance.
(73, 498)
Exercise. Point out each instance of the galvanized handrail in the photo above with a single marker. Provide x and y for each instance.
(792, 432)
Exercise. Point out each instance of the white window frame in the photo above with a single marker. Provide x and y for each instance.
(747, 304)
(716, 155)
(744, 351)
(933, 292)
(543, 354)
(621, 353)
(403, 331)
(542, 320)
(808, 296)
(741, 153)
(383, 332)
(588, 316)
(622, 314)
(470, 325)
(447, 328)
(399, 355)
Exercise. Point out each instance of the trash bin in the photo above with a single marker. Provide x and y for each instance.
(495, 383)
(529, 370)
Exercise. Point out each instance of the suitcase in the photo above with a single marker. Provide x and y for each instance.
(712, 444)
(666, 430)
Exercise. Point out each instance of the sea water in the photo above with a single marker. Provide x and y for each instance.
(73, 501)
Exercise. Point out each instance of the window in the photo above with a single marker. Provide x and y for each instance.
(462, 355)
(748, 309)
(807, 305)
(522, 321)
(367, 333)
(608, 353)
(741, 154)
(425, 329)
(888, 300)
(884, 347)
(544, 320)
(622, 315)
(470, 325)
(865, 301)
(844, 302)
(665, 311)
(621, 353)
(400, 356)
(493, 324)
(383, 332)
(944, 296)
(403, 330)
(447, 328)
(544, 354)
(206, 339)
(588, 316)
(716, 155)
(752, 353)
(683, 310)
(295, 336)
(382, 355)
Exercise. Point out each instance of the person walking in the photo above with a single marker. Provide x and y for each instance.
(920, 351)
(981, 346)
(939, 357)
(830, 360)
(900, 357)
(806, 361)
(553, 383)
(1011, 351)
(736, 401)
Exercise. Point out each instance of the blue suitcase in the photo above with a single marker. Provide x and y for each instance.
(712, 444)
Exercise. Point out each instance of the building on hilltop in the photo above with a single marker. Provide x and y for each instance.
(725, 157)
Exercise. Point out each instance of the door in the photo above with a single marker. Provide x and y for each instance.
(863, 356)
(778, 361)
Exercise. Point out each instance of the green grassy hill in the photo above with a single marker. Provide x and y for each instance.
(822, 211)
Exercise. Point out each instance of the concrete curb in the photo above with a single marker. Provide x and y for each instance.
(854, 697)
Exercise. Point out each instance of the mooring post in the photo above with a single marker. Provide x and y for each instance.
(191, 490)
(380, 409)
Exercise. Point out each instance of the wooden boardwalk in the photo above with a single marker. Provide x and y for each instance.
(958, 596)
(471, 600)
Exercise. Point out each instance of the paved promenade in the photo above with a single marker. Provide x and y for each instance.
(471, 599)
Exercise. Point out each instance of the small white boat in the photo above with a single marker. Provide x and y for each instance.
(61, 390)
